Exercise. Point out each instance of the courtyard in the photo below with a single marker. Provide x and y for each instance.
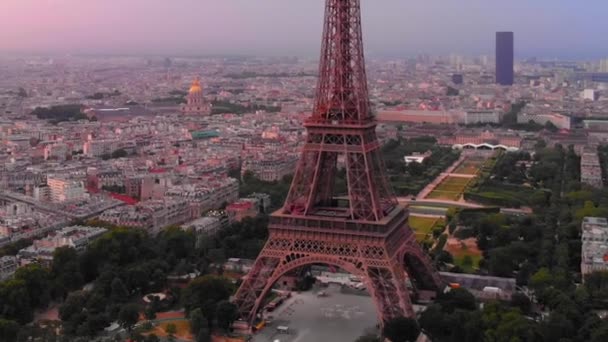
(337, 316)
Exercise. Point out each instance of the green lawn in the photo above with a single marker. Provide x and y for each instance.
(445, 195)
(470, 166)
(468, 267)
(467, 257)
(451, 188)
(423, 226)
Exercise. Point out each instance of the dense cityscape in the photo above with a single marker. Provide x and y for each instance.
(242, 198)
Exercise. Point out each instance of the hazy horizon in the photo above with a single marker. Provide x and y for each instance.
(543, 28)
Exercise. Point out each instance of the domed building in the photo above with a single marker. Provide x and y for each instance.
(196, 103)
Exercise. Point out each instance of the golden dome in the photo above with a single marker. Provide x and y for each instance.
(196, 86)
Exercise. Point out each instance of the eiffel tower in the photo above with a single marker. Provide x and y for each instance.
(365, 233)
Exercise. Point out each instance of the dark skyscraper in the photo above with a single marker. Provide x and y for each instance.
(504, 58)
(457, 78)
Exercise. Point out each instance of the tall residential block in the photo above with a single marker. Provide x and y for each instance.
(504, 58)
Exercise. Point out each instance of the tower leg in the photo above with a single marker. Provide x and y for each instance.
(387, 287)
(383, 276)
(421, 266)
(251, 291)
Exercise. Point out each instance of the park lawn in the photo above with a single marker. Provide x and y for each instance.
(183, 329)
(423, 226)
(459, 261)
(451, 188)
(466, 170)
(460, 251)
(445, 195)
(470, 166)
(453, 183)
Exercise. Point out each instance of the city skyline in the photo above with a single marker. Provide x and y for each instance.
(210, 27)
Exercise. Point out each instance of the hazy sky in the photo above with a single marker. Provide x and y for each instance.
(544, 28)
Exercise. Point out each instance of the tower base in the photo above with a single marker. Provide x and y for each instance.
(379, 258)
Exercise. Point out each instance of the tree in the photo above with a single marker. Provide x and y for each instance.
(152, 338)
(66, 271)
(197, 321)
(171, 330)
(16, 301)
(120, 153)
(119, 294)
(150, 313)
(522, 302)
(505, 325)
(36, 279)
(205, 292)
(203, 335)
(401, 329)
(128, 316)
(457, 299)
(550, 126)
(452, 91)
(597, 284)
(601, 333)
(8, 330)
(226, 314)
(368, 338)
(541, 280)
(72, 305)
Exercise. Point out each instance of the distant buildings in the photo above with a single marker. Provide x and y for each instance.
(77, 237)
(504, 58)
(558, 120)
(195, 101)
(590, 94)
(270, 168)
(237, 211)
(152, 215)
(237, 265)
(63, 189)
(472, 116)
(262, 201)
(203, 227)
(484, 288)
(206, 196)
(99, 148)
(591, 171)
(417, 157)
(420, 116)
(594, 256)
(56, 151)
(23, 221)
(206, 226)
(483, 116)
(596, 125)
(8, 266)
(457, 79)
(477, 139)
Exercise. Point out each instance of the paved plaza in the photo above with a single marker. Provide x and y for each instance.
(336, 317)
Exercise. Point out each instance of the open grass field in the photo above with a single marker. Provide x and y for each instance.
(470, 166)
(451, 188)
(466, 254)
(423, 226)
(183, 329)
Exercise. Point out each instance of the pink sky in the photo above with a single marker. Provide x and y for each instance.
(547, 28)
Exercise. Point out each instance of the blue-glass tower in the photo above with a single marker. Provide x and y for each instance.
(504, 58)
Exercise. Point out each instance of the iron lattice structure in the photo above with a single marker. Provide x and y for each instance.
(366, 232)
